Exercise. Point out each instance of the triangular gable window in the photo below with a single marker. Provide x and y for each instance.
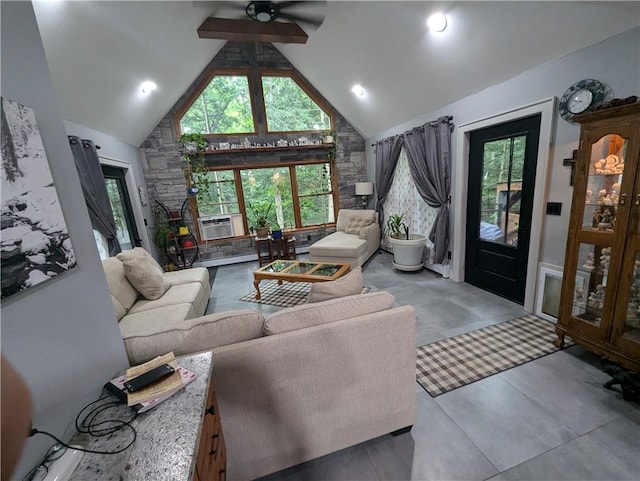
(289, 108)
(222, 107)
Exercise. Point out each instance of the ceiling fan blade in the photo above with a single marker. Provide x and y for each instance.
(315, 21)
(291, 3)
(251, 31)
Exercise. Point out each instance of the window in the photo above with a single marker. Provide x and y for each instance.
(221, 197)
(223, 107)
(289, 108)
(315, 193)
(295, 195)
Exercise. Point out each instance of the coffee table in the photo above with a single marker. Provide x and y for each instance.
(299, 271)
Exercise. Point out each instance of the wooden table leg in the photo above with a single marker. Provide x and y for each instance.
(256, 282)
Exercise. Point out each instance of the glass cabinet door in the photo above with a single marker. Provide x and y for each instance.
(603, 194)
(590, 288)
(632, 313)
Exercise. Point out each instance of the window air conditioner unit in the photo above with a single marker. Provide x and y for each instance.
(216, 227)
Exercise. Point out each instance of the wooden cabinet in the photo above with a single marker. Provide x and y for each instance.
(600, 306)
(211, 461)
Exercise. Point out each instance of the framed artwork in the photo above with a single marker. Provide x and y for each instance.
(34, 240)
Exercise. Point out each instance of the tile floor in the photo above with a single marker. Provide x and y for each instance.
(549, 419)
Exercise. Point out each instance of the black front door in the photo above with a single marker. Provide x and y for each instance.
(502, 169)
(114, 178)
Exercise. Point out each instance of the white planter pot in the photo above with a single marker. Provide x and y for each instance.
(407, 253)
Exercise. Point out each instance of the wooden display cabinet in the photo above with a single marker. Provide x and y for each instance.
(600, 300)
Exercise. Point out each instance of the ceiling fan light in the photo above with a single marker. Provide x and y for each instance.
(437, 22)
(261, 11)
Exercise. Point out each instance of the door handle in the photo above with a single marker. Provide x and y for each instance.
(637, 202)
(623, 199)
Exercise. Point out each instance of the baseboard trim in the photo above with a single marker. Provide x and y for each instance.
(225, 261)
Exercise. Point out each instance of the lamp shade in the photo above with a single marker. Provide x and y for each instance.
(364, 188)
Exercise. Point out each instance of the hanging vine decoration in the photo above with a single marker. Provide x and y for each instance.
(193, 147)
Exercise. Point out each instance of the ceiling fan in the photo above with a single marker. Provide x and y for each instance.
(265, 21)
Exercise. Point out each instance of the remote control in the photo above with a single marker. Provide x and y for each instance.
(147, 378)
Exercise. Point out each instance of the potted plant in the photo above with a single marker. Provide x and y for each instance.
(407, 248)
(193, 146)
(260, 219)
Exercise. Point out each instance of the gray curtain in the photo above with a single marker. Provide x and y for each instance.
(94, 189)
(429, 156)
(387, 154)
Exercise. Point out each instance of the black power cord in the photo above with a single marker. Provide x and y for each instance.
(89, 423)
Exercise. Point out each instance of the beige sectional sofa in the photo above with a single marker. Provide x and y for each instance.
(186, 297)
(356, 239)
(292, 386)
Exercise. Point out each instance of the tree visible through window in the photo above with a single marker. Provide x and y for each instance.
(289, 107)
(271, 189)
(223, 107)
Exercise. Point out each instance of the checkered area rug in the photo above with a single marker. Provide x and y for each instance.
(451, 363)
(286, 294)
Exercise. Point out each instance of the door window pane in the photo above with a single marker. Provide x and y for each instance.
(116, 201)
(503, 164)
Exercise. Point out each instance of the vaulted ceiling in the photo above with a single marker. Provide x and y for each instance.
(100, 51)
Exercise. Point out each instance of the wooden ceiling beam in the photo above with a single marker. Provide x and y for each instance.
(251, 31)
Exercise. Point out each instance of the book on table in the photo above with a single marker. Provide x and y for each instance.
(152, 395)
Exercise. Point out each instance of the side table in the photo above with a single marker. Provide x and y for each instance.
(270, 249)
(264, 248)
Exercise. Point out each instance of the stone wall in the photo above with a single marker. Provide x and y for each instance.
(164, 170)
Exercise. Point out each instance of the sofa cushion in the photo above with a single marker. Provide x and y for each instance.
(118, 308)
(136, 253)
(346, 215)
(187, 276)
(154, 332)
(307, 315)
(347, 285)
(356, 224)
(180, 294)
(119, 286)
(145, 275)
(339, 245)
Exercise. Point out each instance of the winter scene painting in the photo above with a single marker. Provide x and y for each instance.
(34, 241)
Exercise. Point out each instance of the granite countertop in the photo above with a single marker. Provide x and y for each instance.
(167, 436)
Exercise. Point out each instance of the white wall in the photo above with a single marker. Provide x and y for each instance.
(615, 61)
(61, 335)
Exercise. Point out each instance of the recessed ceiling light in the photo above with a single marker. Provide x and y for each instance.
(148, 86)
(358, 90)
(437, 22)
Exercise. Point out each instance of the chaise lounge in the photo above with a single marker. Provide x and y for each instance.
(356, 239)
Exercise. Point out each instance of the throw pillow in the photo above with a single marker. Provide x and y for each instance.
(348, 285)
(136, 253)
(145, 275)
(355, 225)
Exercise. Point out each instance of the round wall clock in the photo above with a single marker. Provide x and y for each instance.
(581, 97)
